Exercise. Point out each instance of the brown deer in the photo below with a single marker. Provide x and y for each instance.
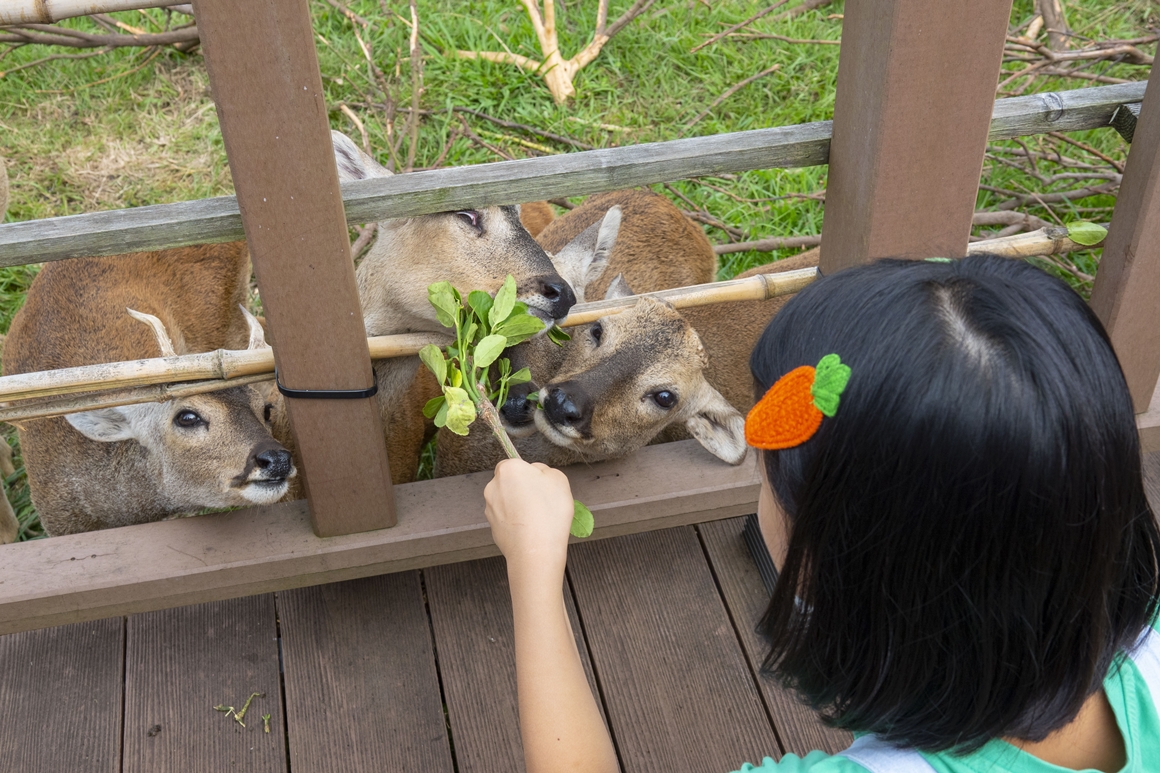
(474, 249)
(536, 215)
(139, 463)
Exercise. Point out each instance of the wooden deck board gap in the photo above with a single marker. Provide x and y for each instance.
(753, 673)
(124, 683)
(282, 683)
(438, 672)
(595, 669)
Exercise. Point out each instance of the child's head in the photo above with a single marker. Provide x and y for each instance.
(969, 534)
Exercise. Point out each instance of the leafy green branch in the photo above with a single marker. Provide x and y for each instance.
(484, 327)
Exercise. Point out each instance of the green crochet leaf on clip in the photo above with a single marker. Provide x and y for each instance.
(830, 379)
(937, 260)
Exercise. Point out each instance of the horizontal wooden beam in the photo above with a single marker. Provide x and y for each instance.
(226, 555)
(531, 179)
(48, 11)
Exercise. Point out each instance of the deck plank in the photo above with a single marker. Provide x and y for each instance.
(362, 691)
(60, 698)
(472, 617)
(179, 664)
(799, 729)
(679, 693)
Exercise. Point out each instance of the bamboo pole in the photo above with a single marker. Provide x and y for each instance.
(49, 11)
(56, 392)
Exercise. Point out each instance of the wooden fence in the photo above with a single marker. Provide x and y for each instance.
(914, 111)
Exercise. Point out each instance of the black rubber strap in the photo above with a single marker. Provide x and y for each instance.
(326, 394)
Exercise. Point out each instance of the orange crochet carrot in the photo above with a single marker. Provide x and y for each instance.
(791, 411)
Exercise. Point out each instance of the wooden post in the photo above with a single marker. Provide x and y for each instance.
(916, 86)
(263, 70)
(1126, 295)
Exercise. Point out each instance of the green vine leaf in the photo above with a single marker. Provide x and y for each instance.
(557, 335)
(446, 301)
(505, 301)
(1087, 234)
(432, 407)
(521, 376)
(582, 520)
(518, 328)
(460, 410)
(481, 303)
(489, 349)
(432, 357)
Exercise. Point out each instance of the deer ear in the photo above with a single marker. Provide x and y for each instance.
(618, 289)
(352, 163)
(105, 425)
(605, 241)
(719, 427)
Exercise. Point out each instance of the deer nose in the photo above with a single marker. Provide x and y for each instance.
(568, 408)
(559, 294)
(518, 410)
(275, 463)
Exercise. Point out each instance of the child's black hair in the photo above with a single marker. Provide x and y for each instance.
(970, 538)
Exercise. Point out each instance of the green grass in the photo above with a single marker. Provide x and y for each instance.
(122, 129)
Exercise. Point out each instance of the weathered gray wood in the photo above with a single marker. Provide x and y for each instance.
(678, 691)
(190, 560)
(471, 614)
(61, 699)
(362, 690)
(799, 729)
(508, 182)
(179, 664)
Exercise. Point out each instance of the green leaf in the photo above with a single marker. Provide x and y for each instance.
(456, 377)
(432, 357)
(582, 520)
(441, 415)
(1087, 234)
(521, 376)
(433, 406)
(460, 410)
(487, 350)
(469, 332)
(505, 301)
(518, 327)
(481, 303)
(445, 299)
(557, 335)
(830, 379)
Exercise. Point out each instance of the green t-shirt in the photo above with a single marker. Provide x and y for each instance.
(1132, 703)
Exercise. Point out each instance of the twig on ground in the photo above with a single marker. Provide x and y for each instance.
(771, 244)
(556, 71)
(738, 26)
(358, 125)
(783, 38)
(728, 93)
(366, 235)
(54, 58)
(452, 135)
(563, 203)
(51, 35)
(524, 127)
(797, 10)
(416, 88)
(467, 132)
(1055, 21)
(1119, 166)
(150, 58)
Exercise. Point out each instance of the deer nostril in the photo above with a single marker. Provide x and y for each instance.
(517, 410)
(559, 293)
(562, 407)
(275, 463)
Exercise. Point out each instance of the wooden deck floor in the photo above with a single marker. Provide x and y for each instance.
(411, 672)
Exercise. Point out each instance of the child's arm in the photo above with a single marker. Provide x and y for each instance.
(530, 511)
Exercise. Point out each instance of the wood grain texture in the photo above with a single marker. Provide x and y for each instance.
(60, 698)
(179, 664)
(1126, 293)
(226, 555)
(677, 688)
(797, 726)
(510, 182)
(471, 614)
(362, 692)
(916, 92)
(277, 138)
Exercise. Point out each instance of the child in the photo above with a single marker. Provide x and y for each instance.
(970, 568)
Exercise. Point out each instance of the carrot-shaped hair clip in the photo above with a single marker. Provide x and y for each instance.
(791, 411)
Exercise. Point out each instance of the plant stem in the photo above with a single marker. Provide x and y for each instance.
(489, 414)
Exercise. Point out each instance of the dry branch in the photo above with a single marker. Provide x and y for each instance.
(558, 72)
(739, 25)
(47, 34)
(728, 93)
(797, 10)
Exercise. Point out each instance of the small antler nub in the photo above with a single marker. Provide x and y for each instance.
(163, 339)
(257, 334)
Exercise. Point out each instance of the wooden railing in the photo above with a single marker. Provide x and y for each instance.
(905, 151)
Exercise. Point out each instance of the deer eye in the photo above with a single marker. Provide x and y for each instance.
(267, 412)
(188, 419)
(597, 333)
(472, 218)
(664, 398)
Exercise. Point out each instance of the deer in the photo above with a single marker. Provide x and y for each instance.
(555, 435)
(134, 464)
(474, 249)
(536, 215)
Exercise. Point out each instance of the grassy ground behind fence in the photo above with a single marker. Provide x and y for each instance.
(137, 126)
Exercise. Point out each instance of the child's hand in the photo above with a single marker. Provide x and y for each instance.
(529, 507)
